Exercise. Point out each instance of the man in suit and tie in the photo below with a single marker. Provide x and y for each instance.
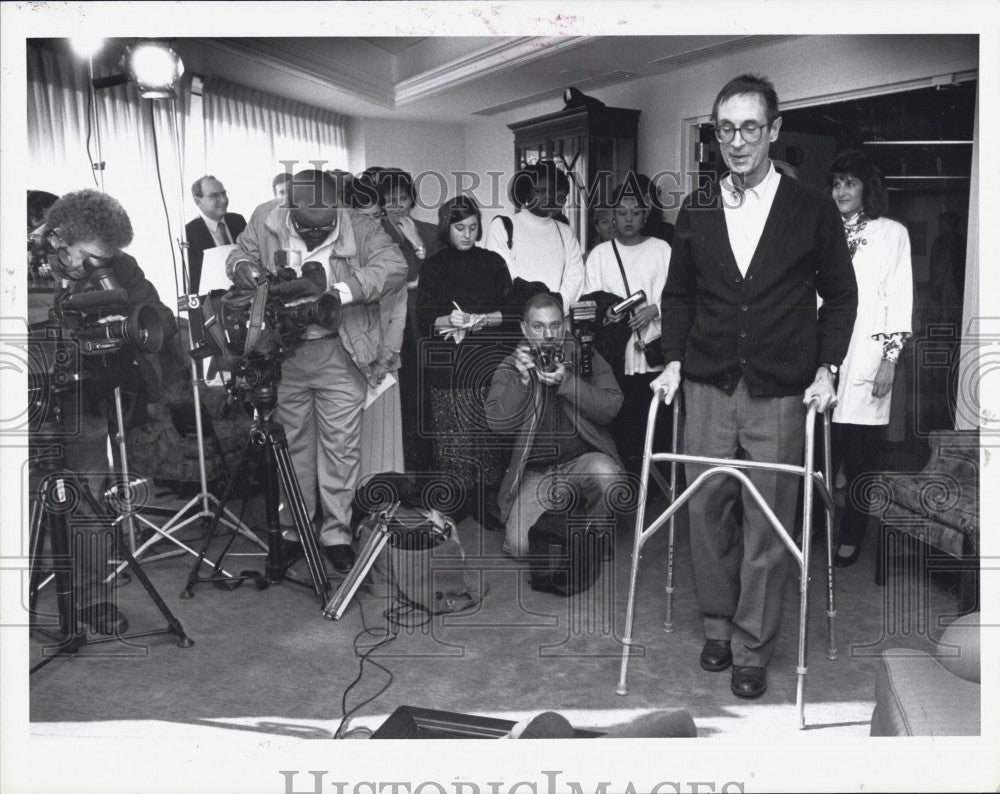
(214, 226)
(739, 323)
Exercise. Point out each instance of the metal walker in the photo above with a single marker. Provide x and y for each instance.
(733, 468)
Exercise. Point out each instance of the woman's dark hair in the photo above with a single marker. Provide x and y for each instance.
(749, 84)
(525, 179)
(86, 215)
(455, 210)
(39, 202)
(395, 180)
(637, 186)
(364, 193)
(874, 198)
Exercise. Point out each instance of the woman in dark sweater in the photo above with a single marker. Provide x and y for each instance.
(464, 322)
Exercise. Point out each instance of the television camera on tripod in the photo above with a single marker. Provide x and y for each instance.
(106, 318)
(252, 332)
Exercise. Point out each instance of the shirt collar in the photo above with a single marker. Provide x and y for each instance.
(763, 190)
(212, 225)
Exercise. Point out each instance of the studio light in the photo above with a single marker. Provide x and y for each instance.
(154, 67)
(86, 46)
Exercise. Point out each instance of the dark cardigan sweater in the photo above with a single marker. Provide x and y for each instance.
(762, 327)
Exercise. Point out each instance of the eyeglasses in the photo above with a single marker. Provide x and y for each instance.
(303, 229)
(750, 132)
(216, 196)
(57, 244)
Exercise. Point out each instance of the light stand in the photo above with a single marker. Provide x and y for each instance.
(204, 506)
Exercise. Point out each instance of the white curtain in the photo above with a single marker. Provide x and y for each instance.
(240, 136)
(248, 133)
(129, 131)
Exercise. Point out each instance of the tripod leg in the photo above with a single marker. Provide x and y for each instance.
(36, 547)
(194, 577)
(55, 506)
(133, 565)
(310, 547)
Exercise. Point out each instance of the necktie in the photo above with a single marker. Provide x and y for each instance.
(224, 234)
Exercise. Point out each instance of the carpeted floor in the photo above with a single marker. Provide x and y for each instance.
(267, 661)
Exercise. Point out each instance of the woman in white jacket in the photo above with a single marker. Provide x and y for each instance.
(880, 251)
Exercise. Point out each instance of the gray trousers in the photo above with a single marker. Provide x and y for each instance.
(319, 404)
(740, 568)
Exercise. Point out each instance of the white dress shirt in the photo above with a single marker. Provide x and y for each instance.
(221, 236)
(746, 214)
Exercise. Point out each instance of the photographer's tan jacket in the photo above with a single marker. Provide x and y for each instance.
(362, 256)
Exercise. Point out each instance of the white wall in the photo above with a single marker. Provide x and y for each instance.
(435, 151)
(806, 70)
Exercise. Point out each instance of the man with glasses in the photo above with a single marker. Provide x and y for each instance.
(213, 226)
(323, 385)
(84, 234)
(740, 325)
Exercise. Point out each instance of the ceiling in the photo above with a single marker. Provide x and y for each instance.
(430, 78)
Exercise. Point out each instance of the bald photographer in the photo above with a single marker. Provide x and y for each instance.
(325, 380)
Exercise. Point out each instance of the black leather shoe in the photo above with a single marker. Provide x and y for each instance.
(716, 656)
(291, 550)
(104, 618)
(749, 682)
(342, 557)
(848, 561)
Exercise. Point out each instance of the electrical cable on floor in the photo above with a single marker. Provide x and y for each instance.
(388, 637)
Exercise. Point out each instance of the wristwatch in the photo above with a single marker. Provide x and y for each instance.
(834, 369)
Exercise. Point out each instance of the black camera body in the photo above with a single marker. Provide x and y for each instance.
(548, 356)
(252, 331)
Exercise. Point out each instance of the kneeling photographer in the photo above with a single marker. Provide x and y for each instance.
(324, 379)
(560, 417)
(117, 333)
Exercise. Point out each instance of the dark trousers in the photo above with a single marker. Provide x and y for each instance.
(629, 427)
(858, 449)
(740, 566)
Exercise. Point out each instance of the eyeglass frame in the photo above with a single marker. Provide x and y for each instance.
(216, 196)
(328, 229)
(718, 130)
(62, 251)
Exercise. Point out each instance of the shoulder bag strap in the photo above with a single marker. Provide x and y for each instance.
(628, 290)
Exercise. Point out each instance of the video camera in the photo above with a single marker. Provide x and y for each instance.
(93, 319)
(253, 330)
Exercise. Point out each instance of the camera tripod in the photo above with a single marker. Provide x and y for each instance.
(267, 446)
(50, 514)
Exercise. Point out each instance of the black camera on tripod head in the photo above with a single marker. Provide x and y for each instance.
(253, 330)
(94, 320)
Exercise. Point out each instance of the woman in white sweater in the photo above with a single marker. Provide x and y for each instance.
(540, 247)
(880, 252)
(623, 266)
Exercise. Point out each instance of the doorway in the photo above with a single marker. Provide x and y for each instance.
(922, 141)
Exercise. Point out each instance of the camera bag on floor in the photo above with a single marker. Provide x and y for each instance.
(565, 552)
(423, 563)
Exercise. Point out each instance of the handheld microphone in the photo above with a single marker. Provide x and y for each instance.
(615, 312)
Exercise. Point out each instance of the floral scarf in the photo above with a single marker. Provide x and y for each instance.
(854, 228)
